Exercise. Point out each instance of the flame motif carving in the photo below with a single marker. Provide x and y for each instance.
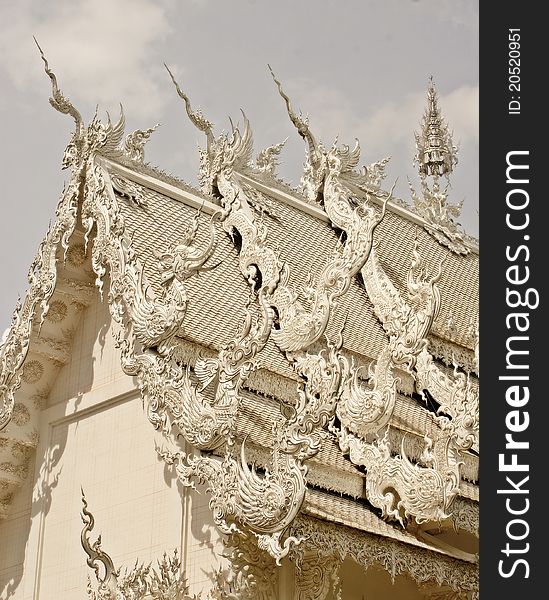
(393, 483)
(439, 215)
(134, 145)
(267, 160)
(402, 489)
(257, 505)
(167, 582)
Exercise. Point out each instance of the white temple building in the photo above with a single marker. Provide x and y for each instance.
(249, 390)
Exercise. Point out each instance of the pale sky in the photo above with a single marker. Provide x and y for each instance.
(359, 68)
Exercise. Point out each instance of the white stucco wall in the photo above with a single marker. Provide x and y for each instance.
(94, 434)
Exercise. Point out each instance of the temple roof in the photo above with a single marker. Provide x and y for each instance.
(308, 309)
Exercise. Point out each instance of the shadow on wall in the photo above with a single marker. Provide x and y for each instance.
(32, 503)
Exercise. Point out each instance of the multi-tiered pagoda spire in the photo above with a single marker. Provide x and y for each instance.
(436, 157)
(436, 154)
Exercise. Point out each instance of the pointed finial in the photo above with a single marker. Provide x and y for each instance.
(196, 117)
(58, 101)
(300, 122)
(96, 556)
(436, 154)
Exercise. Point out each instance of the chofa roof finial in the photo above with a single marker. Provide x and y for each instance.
(436, 154)
(60, 102)
(300, 122)
(196, 117)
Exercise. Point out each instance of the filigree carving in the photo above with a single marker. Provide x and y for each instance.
(130, 190)
(203, 403)
(402, 489)
(267, 159)
(317, 578)
(206, 414)
(79, 156)
(255, 500)
(264, 506)
(449, 352)
(436, 156)
(409, 323)
(466, 515)
(395, 557)
(406, 323)
(253, 574)
(166, 582)
(220, 153)
(365, 410)
(134, 145)
(433, 206)
(156, 319)
(339, 163)
(457, 396)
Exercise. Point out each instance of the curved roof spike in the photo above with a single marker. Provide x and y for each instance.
(301, 123)
(196, 117)
(58, 101)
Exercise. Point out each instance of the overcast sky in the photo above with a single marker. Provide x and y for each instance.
(359, 68)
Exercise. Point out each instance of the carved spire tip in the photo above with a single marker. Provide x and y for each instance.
(57, 100)
(196, 117)
(436, 154)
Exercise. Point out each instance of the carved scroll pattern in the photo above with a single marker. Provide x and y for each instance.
(242, 499)
(400, 488)
(317, 577)
(392, 483)
(142, 582)
(42, 276)
(134, 145)
(395, 557)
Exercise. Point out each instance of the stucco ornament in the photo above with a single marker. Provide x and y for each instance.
(436, 156)
(142, 582)
(265, 505)
(267, 159)
(78, 157)
(317, 578)
(134, 144)
(369, 550)
(343, 160)
(251, 574)
(365, 410)
(205, 411)
(156, 320)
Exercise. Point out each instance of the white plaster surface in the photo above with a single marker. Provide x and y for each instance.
(95, 434)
